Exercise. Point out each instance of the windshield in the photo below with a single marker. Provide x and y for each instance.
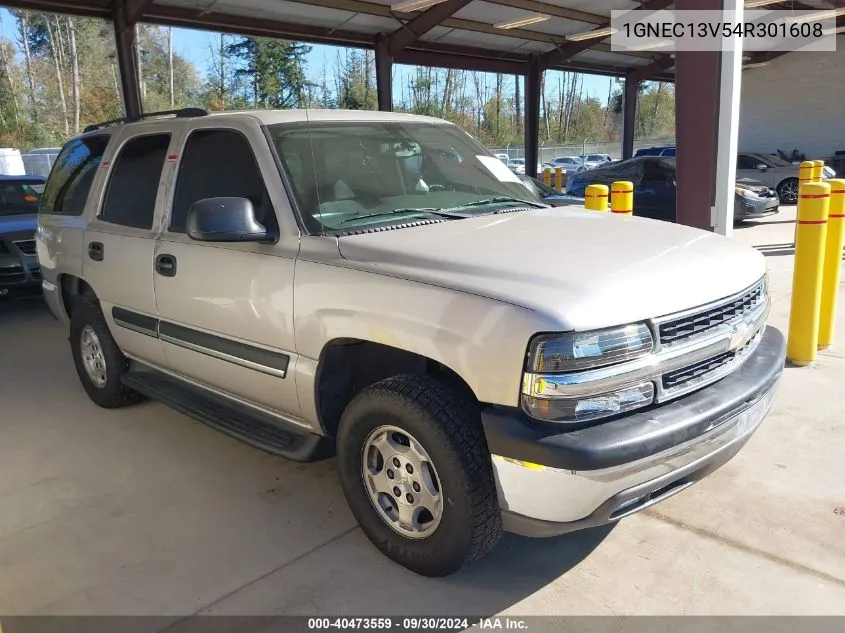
(348, 176)
(772, 161)
(20, 197)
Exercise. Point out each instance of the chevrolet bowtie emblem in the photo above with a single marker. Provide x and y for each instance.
(739, 334)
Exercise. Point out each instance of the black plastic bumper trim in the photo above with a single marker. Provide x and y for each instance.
(510, 433)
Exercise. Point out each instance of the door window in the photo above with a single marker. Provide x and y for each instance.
(133, 185)
(745, 161)
(73, 172)
(219, 164)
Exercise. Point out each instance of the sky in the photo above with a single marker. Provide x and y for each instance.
(195, 46)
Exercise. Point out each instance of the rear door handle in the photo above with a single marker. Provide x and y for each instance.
(96, 251)
(166, 265)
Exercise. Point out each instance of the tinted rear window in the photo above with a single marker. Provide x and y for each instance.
(20, 196)
(72, 175)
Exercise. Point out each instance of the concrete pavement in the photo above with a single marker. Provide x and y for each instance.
(144, 511)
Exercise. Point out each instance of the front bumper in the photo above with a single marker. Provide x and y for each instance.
(751, 208)
(19, 273)
(552, 482)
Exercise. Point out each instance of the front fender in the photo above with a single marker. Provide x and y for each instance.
(482, 340)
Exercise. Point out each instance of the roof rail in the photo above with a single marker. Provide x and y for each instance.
(179, 114)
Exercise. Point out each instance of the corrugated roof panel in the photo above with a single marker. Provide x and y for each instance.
(294, 12)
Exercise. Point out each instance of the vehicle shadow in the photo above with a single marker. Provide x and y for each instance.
(293, 549)
(748, 224)
(14, 311)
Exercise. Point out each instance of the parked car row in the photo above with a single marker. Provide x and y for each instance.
(654, 188)
(769, 169)
(19, 200)
(570, 164)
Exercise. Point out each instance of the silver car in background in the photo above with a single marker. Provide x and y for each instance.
(773, 172)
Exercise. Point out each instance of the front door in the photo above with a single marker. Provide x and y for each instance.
(226, 309)
(119, 244)
(746, 167)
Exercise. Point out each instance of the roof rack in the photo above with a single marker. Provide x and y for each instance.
(179, 114)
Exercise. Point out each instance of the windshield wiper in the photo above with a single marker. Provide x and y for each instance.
(417, 210)
(499, 199)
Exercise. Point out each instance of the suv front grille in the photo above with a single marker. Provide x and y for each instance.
(11, 275)
(697, 323)
(705, 369)
(27, 247)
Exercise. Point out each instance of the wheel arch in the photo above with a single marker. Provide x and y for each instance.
(346, 366)
(73, 287)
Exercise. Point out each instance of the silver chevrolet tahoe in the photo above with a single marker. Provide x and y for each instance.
(381, 287)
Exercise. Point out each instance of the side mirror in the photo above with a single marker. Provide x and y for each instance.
(225, 220)
(761, 167)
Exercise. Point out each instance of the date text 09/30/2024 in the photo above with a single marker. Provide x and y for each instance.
(417, 624)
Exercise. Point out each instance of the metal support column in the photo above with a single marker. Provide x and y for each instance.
(629, 114)
(696, 126)
(384, 74)
(124, 38)
(533, 83)
(707, 87)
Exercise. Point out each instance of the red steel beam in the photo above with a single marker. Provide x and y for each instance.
(570, 49)
(414, 29)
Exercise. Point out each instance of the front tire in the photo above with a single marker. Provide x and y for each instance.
(416, 472)
(99, 362)
(788, 191)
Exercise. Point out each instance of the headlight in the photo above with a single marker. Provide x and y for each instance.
(584, 408)
(744, 193)
(586, 350)
(552, 358)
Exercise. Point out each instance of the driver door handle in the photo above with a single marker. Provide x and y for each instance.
(166, 265)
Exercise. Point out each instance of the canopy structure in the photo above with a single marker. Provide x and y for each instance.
(520, 37)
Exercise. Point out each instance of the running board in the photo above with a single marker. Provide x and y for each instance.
(258, 429)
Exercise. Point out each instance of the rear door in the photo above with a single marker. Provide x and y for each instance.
(119, 244)
(61, 227)
(226, 309)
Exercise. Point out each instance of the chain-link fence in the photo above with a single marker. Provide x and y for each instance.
(614, 148)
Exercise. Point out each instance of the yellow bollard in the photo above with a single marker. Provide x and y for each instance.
(559, 179)
(818, 170)
(832, 262)
(810, 237)
(547, 176)
(805, 171)
(622, 197)
(595, 197)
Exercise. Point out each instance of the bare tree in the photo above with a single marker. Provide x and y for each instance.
(170, 63)
(54, 49)
(446, 104)
(517, 106)
(8, 72)
(76, 82)
(23, 25)
(138, 61)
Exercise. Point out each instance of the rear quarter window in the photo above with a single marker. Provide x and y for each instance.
(73, 173)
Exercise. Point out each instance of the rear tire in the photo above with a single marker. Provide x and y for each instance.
(446, 428)
(99, 362)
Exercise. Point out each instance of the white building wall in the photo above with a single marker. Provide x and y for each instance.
(796, 102)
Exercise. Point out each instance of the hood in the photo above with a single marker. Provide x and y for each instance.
(759, 188)
(14, 224)
(583, 269)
